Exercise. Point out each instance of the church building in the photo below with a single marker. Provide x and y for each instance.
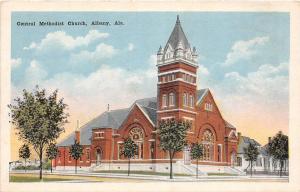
(177, 98)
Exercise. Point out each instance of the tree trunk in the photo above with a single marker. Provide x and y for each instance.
(41, 164)
(128, 167)
(251, 168)
(281, 164)
(51, 165)
(76, 166)
(197, 170)
(25, 166)
(171, 166)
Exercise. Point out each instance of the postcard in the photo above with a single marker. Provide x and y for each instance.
(127, 96)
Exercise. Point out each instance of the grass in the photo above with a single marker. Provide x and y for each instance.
(140, 172)
(34, 178)
(221, 174)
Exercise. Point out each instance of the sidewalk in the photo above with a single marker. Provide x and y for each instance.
(166, 178)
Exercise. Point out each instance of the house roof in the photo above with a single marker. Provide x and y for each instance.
(245, 141)
(229, 125)
(177, 36)
(114, 119)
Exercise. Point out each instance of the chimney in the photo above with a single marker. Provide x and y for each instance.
(77, 133)
(269, 139)
(239, 136)
(107, 107)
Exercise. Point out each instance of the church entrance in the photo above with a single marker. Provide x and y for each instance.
(98, 156)
(187, 155)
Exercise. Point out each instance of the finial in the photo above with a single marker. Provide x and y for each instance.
(177, 21)
(107, 107)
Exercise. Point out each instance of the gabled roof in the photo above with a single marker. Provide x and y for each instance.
(229, 125)
(201, 94)
(177, 36)
(244, 142)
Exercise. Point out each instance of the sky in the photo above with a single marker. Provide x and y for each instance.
(243, 60)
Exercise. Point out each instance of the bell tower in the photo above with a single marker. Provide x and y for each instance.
(177, 76)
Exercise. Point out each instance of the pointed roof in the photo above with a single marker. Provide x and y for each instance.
(177, 36)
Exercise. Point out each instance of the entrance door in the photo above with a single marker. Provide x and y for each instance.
(98, 156)
(186, 155)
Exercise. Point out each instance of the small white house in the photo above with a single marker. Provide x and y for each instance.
(264, 164)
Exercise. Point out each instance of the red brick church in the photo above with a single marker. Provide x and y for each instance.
(177, 98)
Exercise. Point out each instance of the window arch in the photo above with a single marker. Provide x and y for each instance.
(137, 135)
(171, 99)
(185, 99)
(208, 145)
(164, 100)
(191, 101)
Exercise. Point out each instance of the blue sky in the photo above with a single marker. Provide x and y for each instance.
(244, 59)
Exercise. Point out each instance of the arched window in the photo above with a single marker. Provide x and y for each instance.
(184, 99)
(191, 101)
(171, 99)
(208, 145)
(137, 135)
(164, 100)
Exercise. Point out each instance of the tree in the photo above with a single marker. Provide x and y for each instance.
(51, 153)
(24, 153)
(197, 153)
(251, 153)
(130, 149)
(278, 148)
(76, 152)
(172, 135)
(39, 119)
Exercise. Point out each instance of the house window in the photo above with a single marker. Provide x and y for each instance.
(191, 101)
(208, 107)
(173, 77)
(88, 154)
(137, 135)
(239, 161)
(185, 99)
(163, 79)
(152, 150)
(164, 100)
(208, 145)
(169, 77)
(120, 150)
(219, 153)
(171, 99)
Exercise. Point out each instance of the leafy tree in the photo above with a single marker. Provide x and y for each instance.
(278, 148)
(51, 153)
(251, 153)
(130, 149)
(39, 119)
(76, 152)
(172, 138)
(197, 153)
(24, 152)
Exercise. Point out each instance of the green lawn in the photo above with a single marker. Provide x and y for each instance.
(140, 172)
(20, 178)
(221, 174)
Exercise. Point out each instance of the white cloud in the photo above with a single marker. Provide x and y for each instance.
(244, 50)
(102, 51)
(15, 62)
(34, 74)
(203, 70)
(65, 41)
(130, 46)
(263, 93)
